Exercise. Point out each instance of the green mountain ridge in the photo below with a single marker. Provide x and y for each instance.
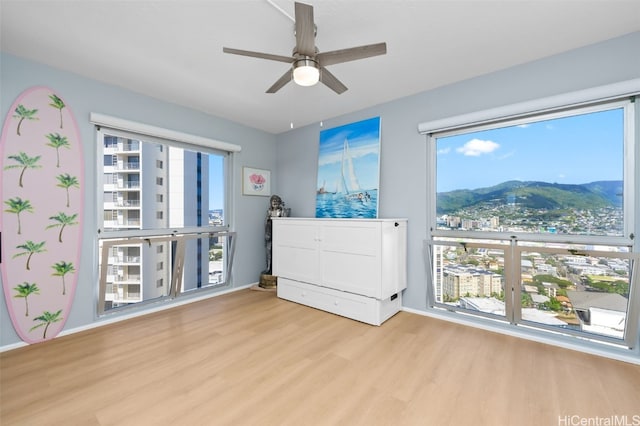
(534, 195)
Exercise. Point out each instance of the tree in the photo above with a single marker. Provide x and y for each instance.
(47, 318)
(61, 269)
(62, 221)
(30, 248)
(25, 290)
(57, 103)
(539, 279)
(18, 205)
(24, 114)
(25, 162)
(499, 296)
(67, 181)
(553, 305)
(57, 141)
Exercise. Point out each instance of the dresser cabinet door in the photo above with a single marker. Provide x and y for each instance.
(350, 256)
(295, 251)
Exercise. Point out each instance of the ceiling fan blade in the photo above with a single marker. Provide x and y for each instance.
(351, 54)
(331, 81)
(286, 77)
(260, 55)
(305, 30)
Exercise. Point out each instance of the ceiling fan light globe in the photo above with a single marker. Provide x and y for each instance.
(306, 72)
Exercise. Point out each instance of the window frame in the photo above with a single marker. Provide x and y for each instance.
(629, 184)
(105, 125)
(606, 97)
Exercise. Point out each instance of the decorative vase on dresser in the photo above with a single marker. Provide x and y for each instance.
(351, 267)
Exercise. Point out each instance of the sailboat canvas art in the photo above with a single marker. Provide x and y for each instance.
(348, 171)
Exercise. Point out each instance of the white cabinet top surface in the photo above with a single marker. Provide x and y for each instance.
(385, 219)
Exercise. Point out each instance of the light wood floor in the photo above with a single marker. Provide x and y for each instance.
(249, 358)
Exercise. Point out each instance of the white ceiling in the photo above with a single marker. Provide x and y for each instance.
(172, 49)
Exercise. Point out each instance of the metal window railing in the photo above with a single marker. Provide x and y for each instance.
(446, 273)
(110, 285)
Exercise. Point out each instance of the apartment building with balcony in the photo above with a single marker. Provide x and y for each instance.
(459, 280)
(135, 189)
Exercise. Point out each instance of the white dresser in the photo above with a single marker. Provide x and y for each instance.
(351, 267)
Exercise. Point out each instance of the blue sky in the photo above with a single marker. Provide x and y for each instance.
(363, 138)
(216, 177)
(571, 150)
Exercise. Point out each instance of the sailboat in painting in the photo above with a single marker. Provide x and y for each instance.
(350, 185)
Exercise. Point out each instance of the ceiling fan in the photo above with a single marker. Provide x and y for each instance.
(308, 65)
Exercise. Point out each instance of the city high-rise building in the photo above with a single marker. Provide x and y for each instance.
(152, 186)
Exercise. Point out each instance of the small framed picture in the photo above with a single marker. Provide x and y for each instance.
(256, 181)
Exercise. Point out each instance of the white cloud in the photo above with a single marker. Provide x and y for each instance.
(444, 150)
(477, 147)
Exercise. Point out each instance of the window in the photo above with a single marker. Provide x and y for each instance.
(109, 160)
(561, 174)
(109, 179)
(110, 216)
(144, 245)
(109, 197)
(110, 142)
(533, 221)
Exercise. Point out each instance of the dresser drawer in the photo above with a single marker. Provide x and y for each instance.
(357, 307)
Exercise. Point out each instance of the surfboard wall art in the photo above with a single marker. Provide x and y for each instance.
(42, 211)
